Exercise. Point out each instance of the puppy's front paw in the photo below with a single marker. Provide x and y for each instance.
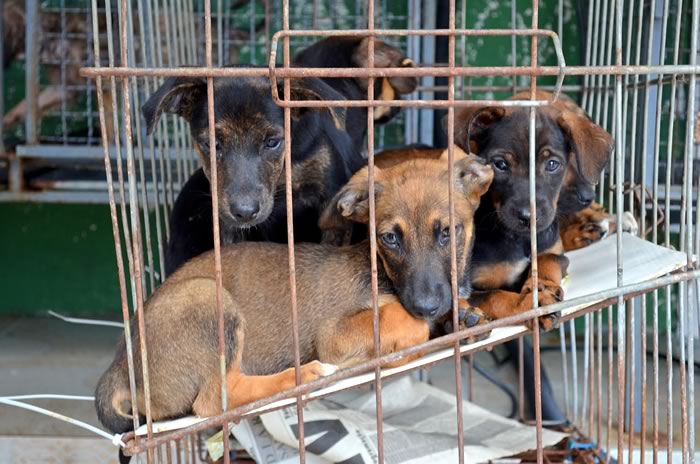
(468, 317)
(548, 292)
(589, 233)
(586, 227)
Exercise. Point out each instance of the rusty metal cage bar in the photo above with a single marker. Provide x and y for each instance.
(599, 105)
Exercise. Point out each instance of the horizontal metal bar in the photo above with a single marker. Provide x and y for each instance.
(54, 197)
(561, 62)
(75, 152)
(86, 196)
(411, 33)
(457, 71)
(599, 299)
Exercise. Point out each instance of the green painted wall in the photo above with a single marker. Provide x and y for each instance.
(58, 257)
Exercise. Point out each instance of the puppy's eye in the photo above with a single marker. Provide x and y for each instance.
(390, 239)
(273, 143)
(500, 164)
(552, 165)
(444, 237)
(217, 147)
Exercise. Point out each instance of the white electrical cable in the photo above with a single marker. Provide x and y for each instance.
(77, 320)
(116, 439)
(48, 396)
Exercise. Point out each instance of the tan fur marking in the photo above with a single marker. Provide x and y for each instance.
(354, 343)
(243, 389)
(387, 94)
(498, 275)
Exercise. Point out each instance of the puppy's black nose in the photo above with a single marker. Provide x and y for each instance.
(523, 215)
(586, 197)
(426, 306)
(245, 209)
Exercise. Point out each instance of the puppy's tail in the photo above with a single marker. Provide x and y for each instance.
(112, 401)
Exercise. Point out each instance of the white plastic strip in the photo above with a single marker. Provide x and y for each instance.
(116, 439)
(77, 320)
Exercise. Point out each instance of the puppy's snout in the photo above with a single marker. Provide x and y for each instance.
(427, 306)
(585, 197)
(245, 209)
(429, 296)
(523, 215)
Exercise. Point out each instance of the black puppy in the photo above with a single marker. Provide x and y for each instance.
(250, 146)
(353, 52)
(569, 147)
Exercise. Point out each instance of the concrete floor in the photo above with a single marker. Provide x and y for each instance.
(52, 356)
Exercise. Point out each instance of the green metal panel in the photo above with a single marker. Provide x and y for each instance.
(58, 257)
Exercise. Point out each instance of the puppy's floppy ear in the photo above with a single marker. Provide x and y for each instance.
(471, 124)
(351, 203)
(177, 95)
(404, 84)
(473, 177)
(385, 56)
(591, 144)
(311, 88)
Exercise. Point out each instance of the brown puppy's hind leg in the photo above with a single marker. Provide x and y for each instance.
(352, 340)
(243, 389)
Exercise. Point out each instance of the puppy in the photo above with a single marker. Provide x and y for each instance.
(353, 52)
(250, 147)
(333, 293)
(582, 221)
(569, 146)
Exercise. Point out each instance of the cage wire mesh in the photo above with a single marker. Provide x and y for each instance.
(628, 366)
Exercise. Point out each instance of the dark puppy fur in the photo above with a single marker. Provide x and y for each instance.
(353, 52)
(250, 147)
(581, 221)
(570, 152)
(333, 292)
(591, 156)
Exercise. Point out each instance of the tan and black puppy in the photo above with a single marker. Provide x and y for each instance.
(249, 138)
(333, 293)
(581, 221)
(353, 52)
(571, 152)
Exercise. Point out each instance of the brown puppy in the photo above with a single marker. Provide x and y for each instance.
(333, 293)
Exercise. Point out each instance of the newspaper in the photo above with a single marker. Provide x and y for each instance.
(594, 268)
(420, 426)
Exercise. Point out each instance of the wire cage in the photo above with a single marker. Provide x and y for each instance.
(627, 354)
